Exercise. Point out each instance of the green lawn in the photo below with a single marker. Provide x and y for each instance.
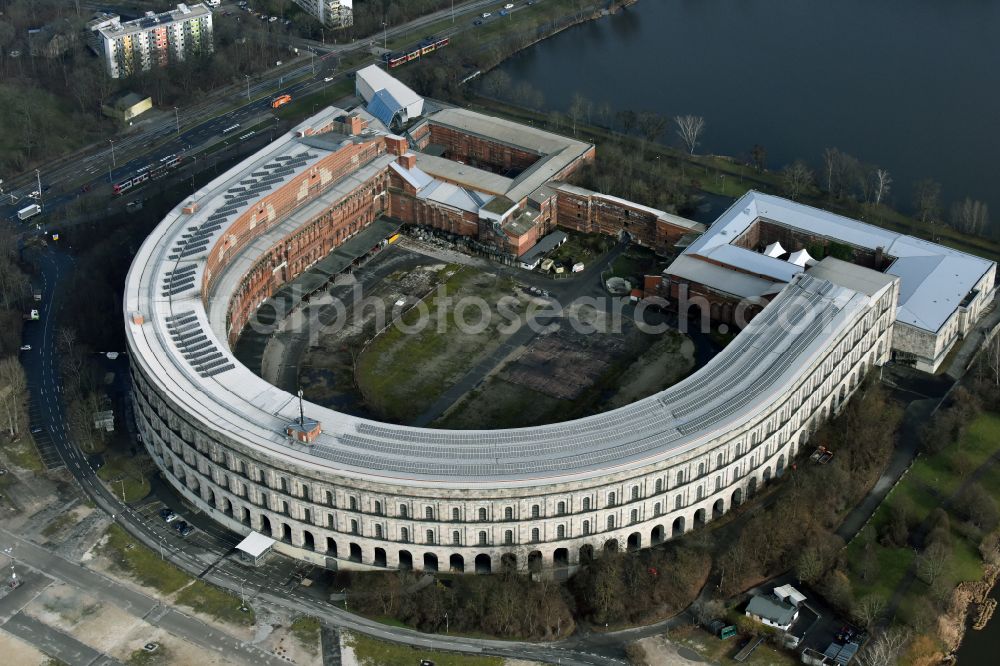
(302, 107)
(306, 631)
(218, 603)
(373, 652)
(931, 480)
(404, 369)
(23, 453)
(123, 475)
(717, 651)
(893, 563)
(141, 563)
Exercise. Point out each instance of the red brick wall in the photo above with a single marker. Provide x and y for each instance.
(288, 258)
(591, 213)
(293, 254)
(480, 152)
(407, 208)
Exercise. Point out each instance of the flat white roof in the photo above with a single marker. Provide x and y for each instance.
(378, 79)
(935, 278)
(255, 544)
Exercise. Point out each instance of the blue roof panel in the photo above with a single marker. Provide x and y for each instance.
(384, 107)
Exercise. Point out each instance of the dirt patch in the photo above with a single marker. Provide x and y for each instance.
(564, 366)
(86, 618)
(659, 650)
(668, 361)
(16, 651)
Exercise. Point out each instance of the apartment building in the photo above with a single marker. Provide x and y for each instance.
(155, 40)
(331, 13)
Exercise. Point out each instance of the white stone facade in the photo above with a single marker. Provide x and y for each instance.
(326, 517)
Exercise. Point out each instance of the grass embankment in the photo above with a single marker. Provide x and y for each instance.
(124, 477)
(301, 107)
(716, 651)
(306, 631)
(23, 453)
(146, 567)
(931, 480)
(373, 652)
(142, 564)
(218, 603)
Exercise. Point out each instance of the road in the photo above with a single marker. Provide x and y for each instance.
(194, 127)
(126, 599)
(48, 639)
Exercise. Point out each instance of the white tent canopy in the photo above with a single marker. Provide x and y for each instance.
(801, 258)
(774, 249)
(255, 544)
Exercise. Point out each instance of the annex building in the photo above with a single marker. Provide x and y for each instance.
(762, 242)
(343, 491)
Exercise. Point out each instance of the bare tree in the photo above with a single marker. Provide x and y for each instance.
(884, 649)
(689, 129)
(882, 181)
(758, 157)
(809, 566)
(927, 200)
(970, 217)
(577, 110)
(651, 127)
(796, 179)
(933, 562)
(604, 114)
(13, 391)
(868, 611)
(497, 84)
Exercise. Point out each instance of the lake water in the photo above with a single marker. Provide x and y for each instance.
(909, 85)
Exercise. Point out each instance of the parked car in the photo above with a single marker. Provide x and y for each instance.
(328, 79)
(487, 14)
(180, 526)
(509, 5)
(186, 530)
(167, 515)
(25, 347)
(477, 22)
(36, 430)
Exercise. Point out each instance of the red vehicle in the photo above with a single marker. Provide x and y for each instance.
(280, 101)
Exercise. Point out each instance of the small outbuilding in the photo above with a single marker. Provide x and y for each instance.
(127, 106)
(771, 611)
(255, 548)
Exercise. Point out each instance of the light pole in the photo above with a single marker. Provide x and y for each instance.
(122, 481)
(160, 544)
(247, 77)
(112, 142)
(385, 36)
(312, 61)
(13, 575)
(177, 120)
(38, 177)
(452, 11)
